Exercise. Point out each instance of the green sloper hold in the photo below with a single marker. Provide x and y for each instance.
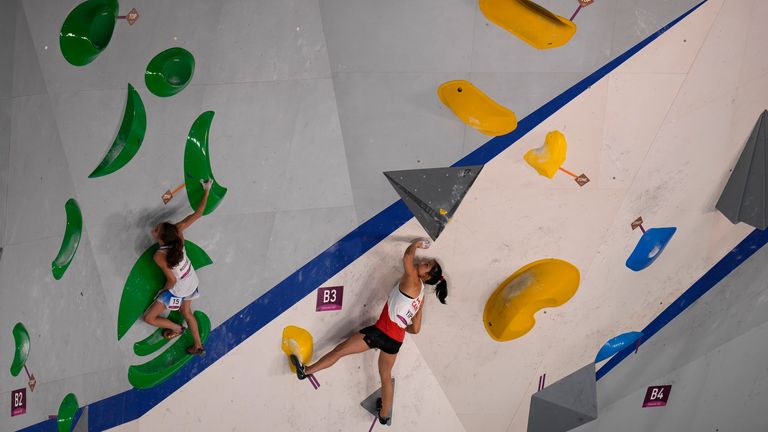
(169, 72)
(87, 30)
(129, 138)
(161, 368)
(67, 411)
(21, 339)
(155, 341)
(197, 165)
(145, 280)
(71, 240)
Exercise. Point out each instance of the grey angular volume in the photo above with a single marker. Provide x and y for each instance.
(743, 199)
(369, 404)
(433, 194)
(566, 404)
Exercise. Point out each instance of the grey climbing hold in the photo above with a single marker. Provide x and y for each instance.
(743, 199)
(433, 194)
(82, 423)
(369, 404)
(566, 404)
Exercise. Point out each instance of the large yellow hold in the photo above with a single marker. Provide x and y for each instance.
(476, 109)
(530, 22)
(298, 342)
(547, 159)
(509, 312)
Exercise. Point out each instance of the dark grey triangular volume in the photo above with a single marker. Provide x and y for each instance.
(369, 404)
(82, 422)
(566, 404)
(744, 196)
(433, 194)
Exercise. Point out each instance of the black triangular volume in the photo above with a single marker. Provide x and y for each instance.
(744, 196)
(434, 194)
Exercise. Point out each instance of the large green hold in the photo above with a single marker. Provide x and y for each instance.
(67, 411)
(197, 165)
(155, 341)
(129, 137)
(144, 282)
(169, 72)
(161, 368)
(21, 340)
(87, 30)
(71, 240)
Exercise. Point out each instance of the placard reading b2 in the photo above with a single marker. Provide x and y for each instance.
(329, 298)
(18, 402)
(657, 396)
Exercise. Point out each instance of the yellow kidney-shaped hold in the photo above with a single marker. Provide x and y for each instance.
(476, 109)
(530, 22)
(546, 160)
(298, 342)
(509, 312)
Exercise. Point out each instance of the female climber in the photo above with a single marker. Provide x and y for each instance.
(402, 313)
(180, 278)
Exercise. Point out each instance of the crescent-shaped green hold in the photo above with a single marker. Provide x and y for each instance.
(87, 30)
(197, 165)
(129, 137)
(71, 240)
(67, 411)
(166, 364)
(21, 340)
(155, 341)
(145, 280)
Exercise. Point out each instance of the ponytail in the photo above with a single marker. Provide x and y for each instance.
(169, 234)
(437, 279)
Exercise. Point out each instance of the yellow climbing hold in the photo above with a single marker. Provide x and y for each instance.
(530, 22)
(476, 109)
(546, 160)
(509, 312)
(298, 342)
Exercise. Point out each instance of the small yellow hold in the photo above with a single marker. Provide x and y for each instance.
(530, 22)
(476, 109)
(298, 342)
(443, 212)
(547, 159)
(509, 312)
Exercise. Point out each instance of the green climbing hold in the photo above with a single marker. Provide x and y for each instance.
(169, 72)
(155, 341)
(197, 165)
(129, 137)
(145, 280)
(87, 30)
(161, 368)
(67, 411)
(71, 240)
(21, 339)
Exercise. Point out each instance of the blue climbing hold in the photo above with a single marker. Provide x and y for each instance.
(617, 344)
(650, 246)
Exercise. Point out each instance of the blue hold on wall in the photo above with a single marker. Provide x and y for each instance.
(650, 246)
(617, 344)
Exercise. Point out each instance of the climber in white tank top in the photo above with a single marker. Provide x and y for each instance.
(181, 282)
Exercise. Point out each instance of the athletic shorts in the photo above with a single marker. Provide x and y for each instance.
(172, 302)
(377, 339)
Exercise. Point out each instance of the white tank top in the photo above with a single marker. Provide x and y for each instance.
(186, 278)
(402, 308)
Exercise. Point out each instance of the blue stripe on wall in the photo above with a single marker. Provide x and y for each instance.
(132, 404)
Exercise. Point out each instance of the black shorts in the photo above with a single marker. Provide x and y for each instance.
(377, 339)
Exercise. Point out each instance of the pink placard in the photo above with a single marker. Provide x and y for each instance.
(657, 396)
(329, 298)
(18, 402)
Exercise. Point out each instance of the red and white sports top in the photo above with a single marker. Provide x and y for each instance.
(398, 312)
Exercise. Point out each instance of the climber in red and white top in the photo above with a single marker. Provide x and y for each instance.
(402, 313)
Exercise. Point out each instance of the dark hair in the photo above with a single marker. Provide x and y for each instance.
(436, 278)
(169, 235)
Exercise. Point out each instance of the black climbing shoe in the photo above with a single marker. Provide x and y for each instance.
(382, 420)
(299, 367)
